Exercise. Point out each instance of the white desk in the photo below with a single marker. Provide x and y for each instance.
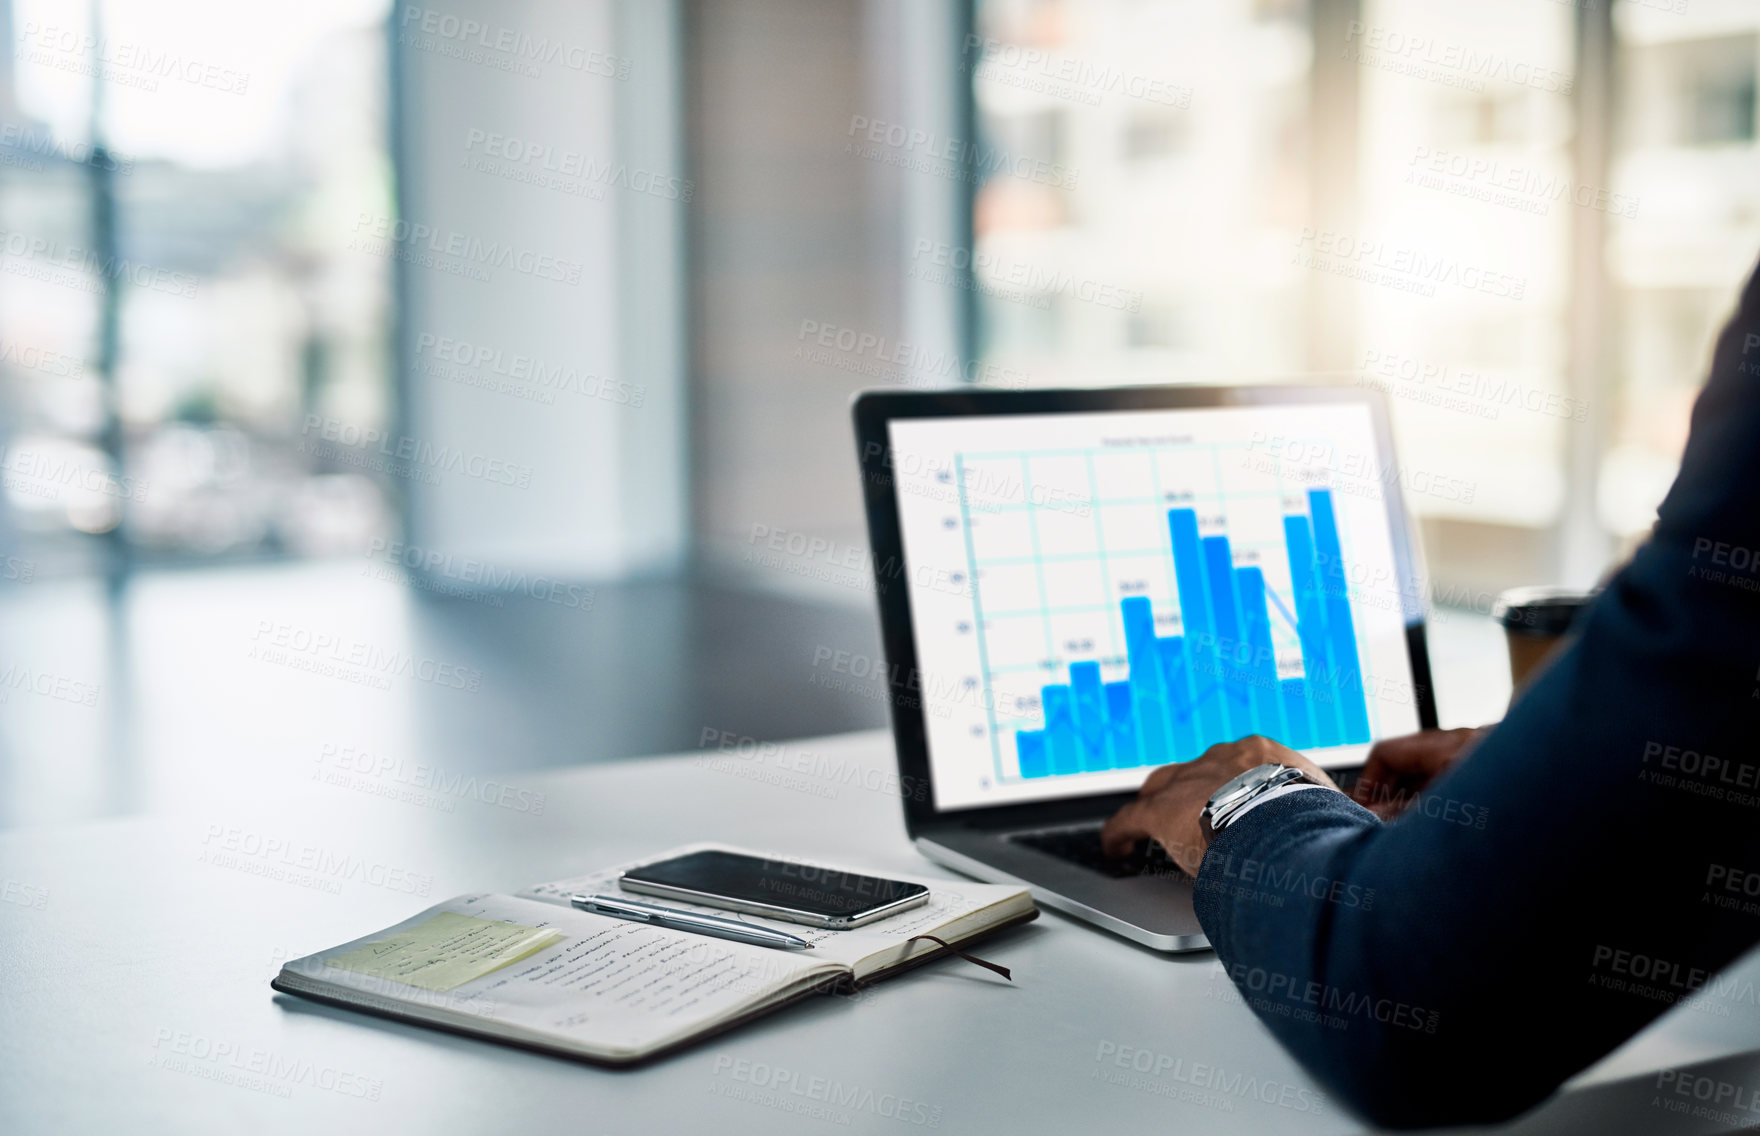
(122, 943)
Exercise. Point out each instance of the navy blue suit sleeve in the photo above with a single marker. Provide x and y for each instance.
(1580, 872)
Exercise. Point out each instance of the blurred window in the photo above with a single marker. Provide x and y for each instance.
(180, 312)
(1188, 134)
(1181, 128)
(1466, 173)
(1687, 160)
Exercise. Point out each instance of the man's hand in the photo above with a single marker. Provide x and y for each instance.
(1400, 768)
(1168, 804)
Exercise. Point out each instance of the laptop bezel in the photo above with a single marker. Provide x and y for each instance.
(873, 411)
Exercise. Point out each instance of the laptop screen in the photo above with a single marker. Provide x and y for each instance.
(1094, 594)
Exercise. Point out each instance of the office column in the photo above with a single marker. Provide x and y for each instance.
(541, 336)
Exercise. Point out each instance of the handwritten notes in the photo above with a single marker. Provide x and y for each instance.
(447, 950)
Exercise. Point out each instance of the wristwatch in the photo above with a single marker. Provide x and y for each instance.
(1244, 789)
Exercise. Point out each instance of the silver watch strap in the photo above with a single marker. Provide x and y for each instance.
(1271, 795)
(1217, 815)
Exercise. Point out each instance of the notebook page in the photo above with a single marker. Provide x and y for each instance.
(609, 984)
(947, 904)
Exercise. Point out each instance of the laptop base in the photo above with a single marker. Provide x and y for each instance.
(1154, 910)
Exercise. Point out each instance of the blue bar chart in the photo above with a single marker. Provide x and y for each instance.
(1218, 679)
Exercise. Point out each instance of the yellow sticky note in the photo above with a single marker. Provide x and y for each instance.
(446, 951)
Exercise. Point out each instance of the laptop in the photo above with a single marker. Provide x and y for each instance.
(1077, 586)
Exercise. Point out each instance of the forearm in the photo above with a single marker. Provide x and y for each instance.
(1270, 894)
(1337, 932)
(1459, 963)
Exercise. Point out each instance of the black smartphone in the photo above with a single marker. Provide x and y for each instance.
(780, 889)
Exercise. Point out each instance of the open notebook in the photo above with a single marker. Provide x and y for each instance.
(532, 970)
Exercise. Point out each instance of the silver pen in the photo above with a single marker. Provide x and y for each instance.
(672, 917)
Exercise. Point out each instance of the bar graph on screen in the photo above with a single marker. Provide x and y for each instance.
(1135, 608)
(1219, 680)
(1137, 586)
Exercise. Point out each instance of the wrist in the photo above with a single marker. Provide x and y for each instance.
(1266, 798)
(1241, 792)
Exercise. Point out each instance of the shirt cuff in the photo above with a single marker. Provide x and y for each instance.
(1280, 791)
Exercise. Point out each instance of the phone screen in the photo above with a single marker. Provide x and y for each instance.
(826, 892)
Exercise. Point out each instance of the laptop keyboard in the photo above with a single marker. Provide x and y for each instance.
(1082, 846)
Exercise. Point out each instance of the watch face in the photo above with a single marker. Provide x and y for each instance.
(1257, 775)
(1221, 806)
